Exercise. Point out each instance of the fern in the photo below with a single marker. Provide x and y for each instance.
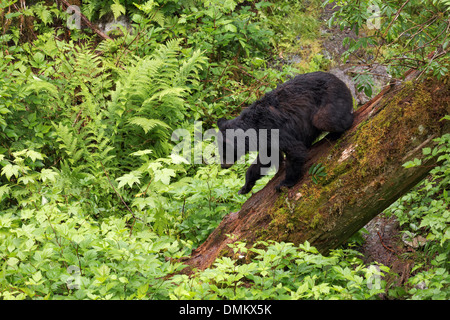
(153, 13)
(168, 52)
(189, 69)
(159, 18)
(151, 95)
(148, 124)
(36, 85)
(69, 142)
(117, 9)
(90, 8)
(42, 12)
(103, 105)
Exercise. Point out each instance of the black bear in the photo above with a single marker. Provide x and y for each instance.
(295, 113)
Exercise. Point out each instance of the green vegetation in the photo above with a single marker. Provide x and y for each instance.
(398, 34)
(93, 205)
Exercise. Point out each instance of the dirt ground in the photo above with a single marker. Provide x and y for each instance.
(383, 244)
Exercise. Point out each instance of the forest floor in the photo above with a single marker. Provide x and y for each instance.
(383, 244)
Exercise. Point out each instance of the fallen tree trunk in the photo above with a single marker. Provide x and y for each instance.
(364, 176)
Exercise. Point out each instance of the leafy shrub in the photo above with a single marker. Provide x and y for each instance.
(424, 211)
(398, 34)
(283, 271)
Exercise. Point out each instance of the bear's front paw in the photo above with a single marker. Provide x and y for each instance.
(244, 190)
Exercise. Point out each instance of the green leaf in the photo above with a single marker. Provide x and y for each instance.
(414, 163)
(37, 85)
(147, 7)
(148, 124)
(33, 155)
(129, 178)
(141, 152)
(426, 151)
(4, 189)
(43, 13)
(230, 27)
(117, 9)
(177, 159)
(154, 166)
(123, 280)
(12, 261)
(38, 58)
(164, 175)
(37, 276)
(26, 180)
(48, 175)
(104, 270)
(10, 170)
(142, 291)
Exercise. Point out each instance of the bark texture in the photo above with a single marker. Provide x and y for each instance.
(364, 175)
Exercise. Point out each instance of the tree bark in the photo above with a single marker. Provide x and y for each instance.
(364, 175)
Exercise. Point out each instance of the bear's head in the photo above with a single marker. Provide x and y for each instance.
(226, 146)
(233, 142)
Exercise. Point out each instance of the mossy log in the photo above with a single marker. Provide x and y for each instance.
(364, 175)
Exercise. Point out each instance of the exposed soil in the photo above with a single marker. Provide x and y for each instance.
(383, 244)
(333, 36)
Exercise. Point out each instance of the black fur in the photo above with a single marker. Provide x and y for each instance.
(301, 109)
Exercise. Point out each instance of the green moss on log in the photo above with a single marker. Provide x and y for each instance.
(360, 160)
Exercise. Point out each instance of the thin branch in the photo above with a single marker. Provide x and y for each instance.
(382, 243)
(86, 21)
(423, 27)
(395, 18)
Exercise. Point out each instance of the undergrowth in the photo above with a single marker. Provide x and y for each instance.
(93, 205)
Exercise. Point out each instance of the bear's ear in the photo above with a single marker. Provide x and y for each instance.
(221, 122)
(272, 100)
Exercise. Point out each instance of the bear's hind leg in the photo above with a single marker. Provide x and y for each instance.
(334, 117)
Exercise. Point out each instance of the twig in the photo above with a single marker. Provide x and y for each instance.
(77, 117)
(422, 29)
(86, 21)
(146, 189)
(395, 18)
(126, 47)
(437, 54)
(381, 240)
(426, 44)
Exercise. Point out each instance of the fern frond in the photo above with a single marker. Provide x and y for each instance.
(37, 85)
(87, 63)
(168, 51)
(159, 18)
(172, 92)
(69, 142)
(192, 65)
(148, 124)
(89, 8)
